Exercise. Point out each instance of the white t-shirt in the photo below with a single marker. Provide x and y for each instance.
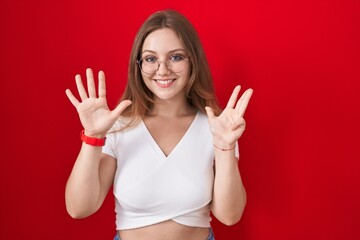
(150, 187)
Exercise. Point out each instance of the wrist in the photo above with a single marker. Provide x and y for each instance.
(222, 143)
(94, 134)
(93, 141)
(225, 148)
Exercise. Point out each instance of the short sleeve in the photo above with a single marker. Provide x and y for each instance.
(112, 139)
(109, 146)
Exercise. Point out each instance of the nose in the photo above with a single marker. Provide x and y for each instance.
(163, 68)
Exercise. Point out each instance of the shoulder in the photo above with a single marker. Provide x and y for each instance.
(123, 123)
(201, 123)
(202, 115)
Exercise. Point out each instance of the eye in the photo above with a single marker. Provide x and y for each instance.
(150, 59)
(177, 58)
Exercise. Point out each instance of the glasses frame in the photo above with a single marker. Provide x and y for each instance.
(159, 63)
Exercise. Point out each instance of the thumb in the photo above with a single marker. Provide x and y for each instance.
(209, 112)
(121, 107)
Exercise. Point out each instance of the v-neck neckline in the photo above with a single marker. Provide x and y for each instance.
(156, 145)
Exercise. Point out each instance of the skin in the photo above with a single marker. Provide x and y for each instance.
(169, 118)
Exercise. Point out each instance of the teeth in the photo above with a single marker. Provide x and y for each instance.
(164, 82)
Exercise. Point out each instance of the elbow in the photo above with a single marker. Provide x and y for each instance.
(231, 220)
(78, 209)
(77, 212)
(74, 213)
(232, 217)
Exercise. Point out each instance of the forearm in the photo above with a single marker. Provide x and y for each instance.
(83, 187)
(229, 196)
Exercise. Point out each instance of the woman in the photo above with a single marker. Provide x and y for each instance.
(170, 152)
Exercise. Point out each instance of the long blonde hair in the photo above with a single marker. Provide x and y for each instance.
(199, 90)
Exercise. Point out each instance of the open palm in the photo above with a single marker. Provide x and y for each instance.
(94, 113)
(228, 127)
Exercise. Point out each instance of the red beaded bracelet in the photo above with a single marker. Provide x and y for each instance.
(96, 142)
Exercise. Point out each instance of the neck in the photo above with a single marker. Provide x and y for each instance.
(171, 108)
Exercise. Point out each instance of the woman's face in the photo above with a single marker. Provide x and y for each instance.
(168, 81)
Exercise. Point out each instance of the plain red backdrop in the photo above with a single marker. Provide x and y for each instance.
(299, 155)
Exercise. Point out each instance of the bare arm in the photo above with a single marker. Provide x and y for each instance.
(93, 171)
(89, 181)
(229, 196)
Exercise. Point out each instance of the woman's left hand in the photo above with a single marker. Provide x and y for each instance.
(228, 127)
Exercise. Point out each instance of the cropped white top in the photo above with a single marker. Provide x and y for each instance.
(150, 187)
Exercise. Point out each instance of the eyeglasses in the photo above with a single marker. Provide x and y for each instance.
(150, 65)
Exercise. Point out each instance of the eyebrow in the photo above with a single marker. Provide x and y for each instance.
(174, 50)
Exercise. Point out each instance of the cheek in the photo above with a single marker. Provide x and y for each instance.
(145, 78)
(187, 73)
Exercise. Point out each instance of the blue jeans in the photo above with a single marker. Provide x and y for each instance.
(210, 237)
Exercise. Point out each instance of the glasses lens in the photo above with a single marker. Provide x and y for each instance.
(152, 66)
(149, 67)
(176, 66)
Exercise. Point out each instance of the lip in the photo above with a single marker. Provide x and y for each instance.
(164, 83)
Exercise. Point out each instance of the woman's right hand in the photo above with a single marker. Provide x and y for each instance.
(94, 113)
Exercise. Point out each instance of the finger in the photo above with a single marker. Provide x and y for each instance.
(210, 112)
(80, 87)
(90, 83)
(120, 108)
(102, 85)
(238, 123)
(72, 98)
(244, 101)
(232, 100)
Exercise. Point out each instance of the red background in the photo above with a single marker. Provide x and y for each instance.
(299, 156)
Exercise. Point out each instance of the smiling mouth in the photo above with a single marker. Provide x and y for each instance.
(164, 82)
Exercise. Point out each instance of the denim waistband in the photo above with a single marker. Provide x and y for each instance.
(210, 237)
